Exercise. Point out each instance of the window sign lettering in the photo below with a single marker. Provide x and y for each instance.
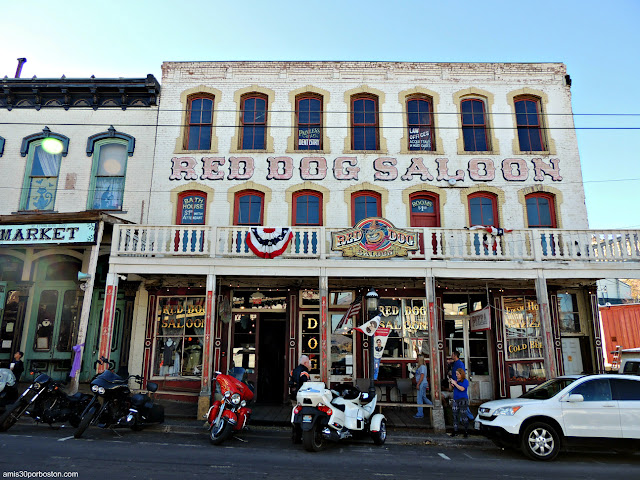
(308, 136)
(311, 340)
(192, 210)
(419, 138)
(422, 205)
(522, 328)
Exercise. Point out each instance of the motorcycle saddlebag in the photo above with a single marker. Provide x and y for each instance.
(156, 414)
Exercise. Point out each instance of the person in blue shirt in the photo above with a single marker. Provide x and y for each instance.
(457, 363)
(422, 385)
(460, 402)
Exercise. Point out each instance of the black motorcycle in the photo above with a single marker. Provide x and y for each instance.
(46, 402)
(113, 405)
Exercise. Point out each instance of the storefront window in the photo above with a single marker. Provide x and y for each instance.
(522, 330)
(179, 336)
(260, 300)
(569, 315)
(341, 346)
(341, 298)
(244, 342)
(408, 323)
(46, 319)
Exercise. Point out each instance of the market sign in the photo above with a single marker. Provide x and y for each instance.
(374, 238)
(55, 233)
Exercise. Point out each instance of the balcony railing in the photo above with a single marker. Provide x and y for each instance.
(435, 243)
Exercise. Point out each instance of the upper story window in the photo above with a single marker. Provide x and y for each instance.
(541, 211)
(307, 208)
(365, 204)
(108, 175)
(249, 208)
(192, 208)
(420, 124)
(200, 123)
(425, 210)
(474, 125)
(41, 179)
(253, 122)
(309, 122)
(364, 122)
(529, 122)
(483, 209)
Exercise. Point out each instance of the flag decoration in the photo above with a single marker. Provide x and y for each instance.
(354, 309)
(268, 242)
(370, 327)
(495, 231)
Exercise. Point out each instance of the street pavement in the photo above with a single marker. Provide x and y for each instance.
(267, 453)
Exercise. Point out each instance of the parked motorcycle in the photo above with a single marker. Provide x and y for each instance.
(113, 405)
(231, 413)
(8, 388)
(322, 414)
(46, 402)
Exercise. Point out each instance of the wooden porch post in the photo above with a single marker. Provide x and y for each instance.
(437, 412)
(204, 400)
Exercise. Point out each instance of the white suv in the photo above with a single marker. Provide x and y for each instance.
(567, 410)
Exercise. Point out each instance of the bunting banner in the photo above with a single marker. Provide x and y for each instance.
(495, 231)
(268, 242)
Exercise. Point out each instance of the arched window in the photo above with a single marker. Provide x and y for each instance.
(529, 122)
(253, 122)
(474, 125)
(307, 208)
(41, 180)
(364, 122)
(483, 209)
(192, 208)
(541, 210)
(425, 209)
(309, 122)
(420, 123)
(365, 204)
(249, 208)
(199, 122)
(108, 175)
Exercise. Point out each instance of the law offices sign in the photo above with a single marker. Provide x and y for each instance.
(55, 233)
(374, 238)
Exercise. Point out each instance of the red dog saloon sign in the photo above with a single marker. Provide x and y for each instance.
(374, 238)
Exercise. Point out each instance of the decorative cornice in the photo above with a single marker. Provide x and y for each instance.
(111, 133)
(79, 92)
(46, 133)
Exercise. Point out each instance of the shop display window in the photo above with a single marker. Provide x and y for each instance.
(309, 298)
(179, 337)
(260, 300)
(407, 320)
(526, 372)
(244, 343)
(341, 298)
(522, 330)
(342, 360)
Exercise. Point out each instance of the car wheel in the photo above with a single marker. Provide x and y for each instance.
(540, 441)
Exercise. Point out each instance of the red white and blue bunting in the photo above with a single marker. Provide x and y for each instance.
(269, 242)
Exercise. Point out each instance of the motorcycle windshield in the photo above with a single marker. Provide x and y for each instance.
(109, 380)
(229, 383)
(42, 378)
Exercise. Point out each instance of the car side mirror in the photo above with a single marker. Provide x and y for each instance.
(575, 397)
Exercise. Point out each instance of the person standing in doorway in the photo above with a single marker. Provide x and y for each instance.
(455, 365)
(422, 385)
(297, 377)
(460, 402)
(17, 366)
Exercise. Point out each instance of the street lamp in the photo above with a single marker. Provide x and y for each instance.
(373, 299)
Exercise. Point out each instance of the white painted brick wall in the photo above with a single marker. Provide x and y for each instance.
(391, 78)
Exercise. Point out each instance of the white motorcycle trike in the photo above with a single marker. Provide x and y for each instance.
(322, 414)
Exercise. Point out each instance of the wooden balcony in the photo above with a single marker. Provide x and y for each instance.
(532, 245)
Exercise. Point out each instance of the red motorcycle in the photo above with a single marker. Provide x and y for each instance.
(231, 413)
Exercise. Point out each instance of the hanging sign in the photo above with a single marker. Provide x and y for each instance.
(374, 238)
(480, 320)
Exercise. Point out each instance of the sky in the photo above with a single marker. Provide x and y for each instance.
(597, 41)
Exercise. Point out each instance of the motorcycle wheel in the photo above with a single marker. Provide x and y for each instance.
(220, 432)
(84, 422)
(312, 440)
(380, 436)
(11, 415)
